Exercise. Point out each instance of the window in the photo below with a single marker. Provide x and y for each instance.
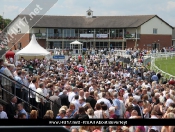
(154, 30)
(19, 30)
(19, 45)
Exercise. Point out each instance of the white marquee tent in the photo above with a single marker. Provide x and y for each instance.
(33, 50)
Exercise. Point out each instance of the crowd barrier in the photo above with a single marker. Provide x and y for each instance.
(156, 56)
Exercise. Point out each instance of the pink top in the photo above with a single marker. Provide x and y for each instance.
(96, 130)
(81, 69)
(142, 128)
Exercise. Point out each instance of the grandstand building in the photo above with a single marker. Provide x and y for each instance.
(141, 31)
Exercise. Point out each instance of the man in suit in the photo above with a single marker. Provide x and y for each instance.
(139, 108)
(64, 98)
(11, 108)
(56, 102)
(91, 99)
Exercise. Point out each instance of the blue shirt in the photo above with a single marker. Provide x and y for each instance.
(116, 102)
(24, 112)
(58, 117)
(2, 70)
(18, 79)
(154, 78)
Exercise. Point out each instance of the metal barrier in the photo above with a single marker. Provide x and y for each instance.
(156, 56)
(9, 88)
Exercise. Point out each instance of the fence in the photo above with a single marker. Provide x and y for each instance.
(10, 87)
(156, 56)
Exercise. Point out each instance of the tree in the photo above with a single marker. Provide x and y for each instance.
(4, 22)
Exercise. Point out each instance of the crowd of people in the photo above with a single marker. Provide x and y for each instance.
(93, 86)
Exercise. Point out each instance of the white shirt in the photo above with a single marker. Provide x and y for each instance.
(3, 115)
(11, 60)
(158, 128)
(122, 108)
(71, 96)
(125, 96)
(32, 93)
(8, 73)
(92, 117)
(77, 104)
(107, 102)
(39, 97)
(98, 114)
(168, 102)
(91, 88)
(45, 92)
(136, 97)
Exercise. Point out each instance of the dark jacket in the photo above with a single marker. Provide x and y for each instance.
(11, 110)
(81, 116)
(136, 107)
(64, 100)
(92, 101)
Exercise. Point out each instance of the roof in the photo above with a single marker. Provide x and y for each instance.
(30, 51)
(173, 35)
(94, 22)
(48, 21)
(89, 10)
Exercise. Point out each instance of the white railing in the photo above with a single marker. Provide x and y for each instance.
(121, 53)
(155, 56)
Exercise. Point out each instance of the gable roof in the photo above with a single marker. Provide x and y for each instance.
(83, 22)
(94, 22)
(173, 35)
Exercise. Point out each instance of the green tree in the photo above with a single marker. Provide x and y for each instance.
(4, 22)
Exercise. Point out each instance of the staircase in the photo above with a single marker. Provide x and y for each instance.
(29, 104)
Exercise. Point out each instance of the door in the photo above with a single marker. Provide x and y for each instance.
(51, 45)
(155, 46)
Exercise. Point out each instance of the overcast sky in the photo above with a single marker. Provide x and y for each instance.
(163, 8)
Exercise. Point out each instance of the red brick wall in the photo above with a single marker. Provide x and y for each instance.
(42, 42)
(24, 41)
(164, 41)
(22, 38)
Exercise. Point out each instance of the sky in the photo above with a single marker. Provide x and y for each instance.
(165, 9)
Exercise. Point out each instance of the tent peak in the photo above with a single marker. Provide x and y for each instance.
(33, 36)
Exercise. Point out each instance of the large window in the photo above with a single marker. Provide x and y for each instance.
(55, 32)
(67, 45)
(50, 32)
(57, 44)
(113, 33)
(100, 45)
(117, 45)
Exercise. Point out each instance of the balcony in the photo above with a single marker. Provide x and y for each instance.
(40, 35)
(132, 36)
(84, 38)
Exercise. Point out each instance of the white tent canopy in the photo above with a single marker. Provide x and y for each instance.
(76, 47)
(76, 42)
(33, 50)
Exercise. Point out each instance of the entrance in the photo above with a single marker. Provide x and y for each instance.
(155, 46)
(101, 45)
(87, 45)
(51, 45)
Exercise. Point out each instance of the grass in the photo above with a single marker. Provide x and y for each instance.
(166, 65)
